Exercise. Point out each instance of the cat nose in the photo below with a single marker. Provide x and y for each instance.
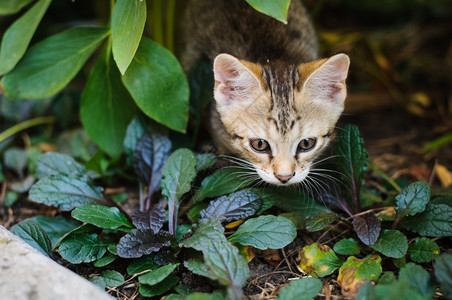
(283, 178)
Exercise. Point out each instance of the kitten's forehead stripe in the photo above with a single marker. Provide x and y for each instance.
(282, 82)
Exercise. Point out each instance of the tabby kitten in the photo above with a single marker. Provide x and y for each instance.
(275, 105)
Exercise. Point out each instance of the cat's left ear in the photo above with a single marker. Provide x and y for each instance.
(327, 82)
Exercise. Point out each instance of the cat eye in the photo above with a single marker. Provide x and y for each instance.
(306, 144)
(260, 145)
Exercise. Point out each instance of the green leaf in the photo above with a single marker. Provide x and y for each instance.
(65, 192)
(205, 161)
(156, 290)
(352, 158)
(320, 221)
(413, 199)
(205, 230)
(443, 273)
(52, 163)
(274, 9)
(55, 227)
(366, 292)
(15, 159)
(134, 132)
(142, 264)
(8, 7)
(127, 25)
(198, 267)
(82, 248)
(355, 272)
(34, 235)
(265, 232)
(235, 206)
(318, 260)
(434, 221)
(226, 264)
(106, 108)
(112, 278)
(101, 216)
(178, 173)
(418, 279)
(301, 289)
(399, 289)
(158, 275)
(107, 259)
(391, 243)
(347, 247)
(49, 65)
(423, 250)
(98, 281)
(222, 182)
(158, 85)
(13, 48)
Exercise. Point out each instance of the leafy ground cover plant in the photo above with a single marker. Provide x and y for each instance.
(194, 217)
(158, 243)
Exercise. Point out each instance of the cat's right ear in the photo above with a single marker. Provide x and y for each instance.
(234, 82)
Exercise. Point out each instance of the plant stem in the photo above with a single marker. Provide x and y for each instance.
(156, 21)
(169, 28)
(26, 124)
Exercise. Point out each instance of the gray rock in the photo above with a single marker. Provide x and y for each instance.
(27, 274)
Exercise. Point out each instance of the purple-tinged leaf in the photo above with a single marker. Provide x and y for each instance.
(149, 157)
(367, 228)
(140, 242)
(235, 206)
(352, 159)
(149, 219)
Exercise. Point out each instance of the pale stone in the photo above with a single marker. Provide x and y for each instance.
(27, 274)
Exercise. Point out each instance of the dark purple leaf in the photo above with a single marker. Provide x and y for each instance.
(149, 156)
(149, 219)
(235, 206)
(140, 242)
(367, 228)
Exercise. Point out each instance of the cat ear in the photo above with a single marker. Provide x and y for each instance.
(233, 80)
(327, 83)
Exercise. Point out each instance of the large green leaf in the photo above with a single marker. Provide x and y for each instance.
(418, 279)
(65, 192)
(347, 247)
(443, 273)
(55, 227)
(16, 39)
(158, 85)
(157, 275)
(301, 289)
(423, 250)
(275, 9)
(12, 6)
(82, 248)
(391, 243)
(127, 26)
(434, 221)
(265, 232)
(53, 163)
(101, 216)
(178, 173)
(413, 199)
(49, 65)
(34, 235)
(222, 182)
(107, 107)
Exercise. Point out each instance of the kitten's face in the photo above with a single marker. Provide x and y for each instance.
(278, 118)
